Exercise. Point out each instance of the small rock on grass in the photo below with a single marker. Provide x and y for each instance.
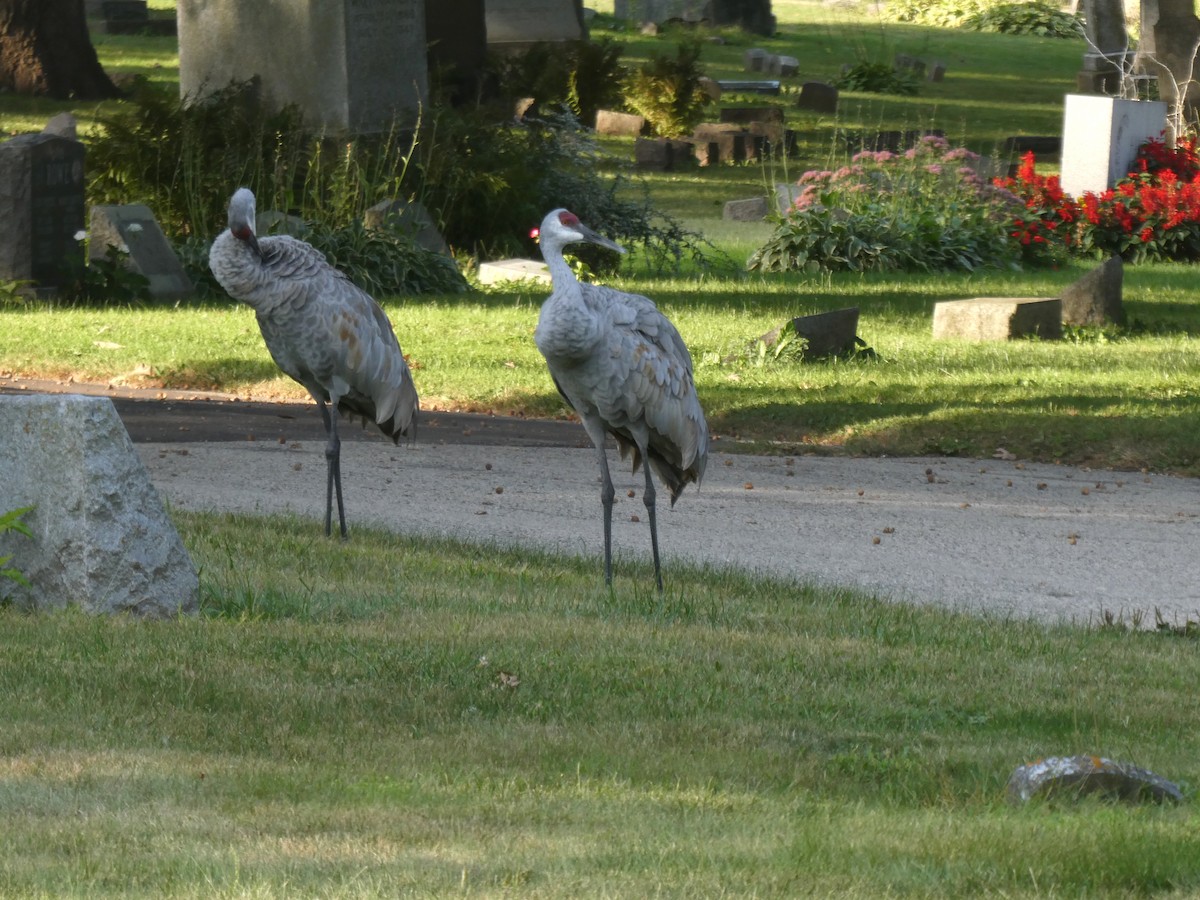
(1075, 776)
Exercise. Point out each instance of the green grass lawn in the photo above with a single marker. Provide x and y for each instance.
(415, 717)
(395, 717)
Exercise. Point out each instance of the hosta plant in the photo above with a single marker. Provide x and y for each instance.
(924, 209)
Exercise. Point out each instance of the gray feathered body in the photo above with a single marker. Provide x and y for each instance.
(626, 371)
(321, 329)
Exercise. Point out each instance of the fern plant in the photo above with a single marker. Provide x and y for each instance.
(666, 90)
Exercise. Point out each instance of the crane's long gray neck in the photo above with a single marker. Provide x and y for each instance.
(552, 253)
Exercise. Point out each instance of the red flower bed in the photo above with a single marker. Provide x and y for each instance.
(1151, 214)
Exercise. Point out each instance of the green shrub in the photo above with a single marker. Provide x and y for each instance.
(935, 13)
(485, 178)
(667, 91)
(1042, 19)
(386, 263)
(925, 209)
(493, 184)
(877, 78)
(1019, 17)
(585, 76)
(184, 161)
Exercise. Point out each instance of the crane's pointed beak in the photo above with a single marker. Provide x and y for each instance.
(599, 239)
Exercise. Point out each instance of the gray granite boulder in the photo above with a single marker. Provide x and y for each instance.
(101, 539)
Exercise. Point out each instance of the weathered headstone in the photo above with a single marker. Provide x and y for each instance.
(1101, 136)
(1104, 62)
(937, 72)
(42, 195)
(101, 538)
(1095, 299)
(1167, 52)
(619, 123)
(753, 209)
(661, 154)
(786, 196)
(1072, 777)
(1043, 146)
(743, 115)
(830, 333)
(781, 65)
(349, 65)
(456, 39)
(711, 88)
(753, 15)
(274, 221)
(729, 142)
(124, 16)
(755, 59)
(501, 270)
(133, 228)
(660, 12)
(902, 62)
(998, 318)
(818, 97)
(514, 25)
(63, 125)
(411, 218)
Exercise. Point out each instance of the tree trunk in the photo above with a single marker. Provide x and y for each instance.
(45, 50)
(1170, 40)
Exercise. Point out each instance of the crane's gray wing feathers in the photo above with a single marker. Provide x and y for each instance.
(326, 333)
(644, 379)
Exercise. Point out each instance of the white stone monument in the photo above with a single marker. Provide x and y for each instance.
(1101, 136)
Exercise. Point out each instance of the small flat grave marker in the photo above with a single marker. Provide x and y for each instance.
(134, 227)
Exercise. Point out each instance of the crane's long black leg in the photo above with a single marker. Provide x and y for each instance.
(648, 498)
(333, 471)
(607, 493)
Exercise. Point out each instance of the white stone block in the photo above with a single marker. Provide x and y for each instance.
(1101, 136)
(101, 537)
(513, 270)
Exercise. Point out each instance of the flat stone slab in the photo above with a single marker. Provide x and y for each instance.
(101, 537)
(513, 270)
(998, 318)
(1076, 776)
(753, 209)
(733, 86)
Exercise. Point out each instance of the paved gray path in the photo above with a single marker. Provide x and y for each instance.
(1005, 537)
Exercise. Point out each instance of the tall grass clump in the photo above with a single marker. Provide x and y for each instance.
(486, 177)
(925, 209)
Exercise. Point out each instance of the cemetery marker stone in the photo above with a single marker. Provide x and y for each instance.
(133, 228)
(517, 24)
(349, 65)
(41, 192)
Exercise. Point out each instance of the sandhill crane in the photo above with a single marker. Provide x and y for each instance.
(321, 330)
(625, 370)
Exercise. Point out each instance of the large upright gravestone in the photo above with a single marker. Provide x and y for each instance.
(101, 538)
(42, 196)
(349, 65)
(517, 24)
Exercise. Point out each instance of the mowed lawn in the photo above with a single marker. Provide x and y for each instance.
(397, 716)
